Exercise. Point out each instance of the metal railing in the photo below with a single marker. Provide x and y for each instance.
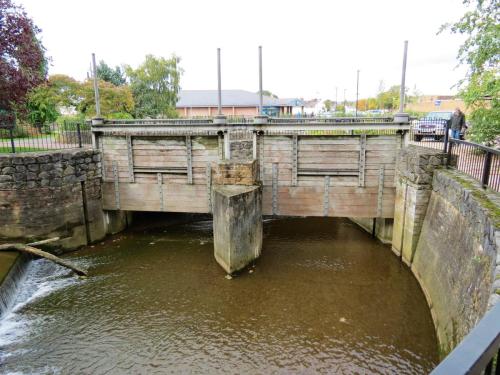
(27, 138)
(479, 351)
(478, 161)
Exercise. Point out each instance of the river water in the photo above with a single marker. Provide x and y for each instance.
(323, 298)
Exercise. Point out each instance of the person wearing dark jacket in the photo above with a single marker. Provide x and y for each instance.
(457, 123)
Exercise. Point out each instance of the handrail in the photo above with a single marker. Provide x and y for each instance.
(477, 349)
(475, 145)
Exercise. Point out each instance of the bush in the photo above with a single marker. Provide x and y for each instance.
(484, 125)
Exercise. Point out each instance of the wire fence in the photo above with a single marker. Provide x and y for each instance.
(27, 138)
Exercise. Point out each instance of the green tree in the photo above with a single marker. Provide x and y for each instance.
(115, 76)
(115, 101)
(155, 86)
(481, 53)
(269, 93)
(41, 106)
(327, 104)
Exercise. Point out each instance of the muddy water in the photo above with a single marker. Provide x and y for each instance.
(323, 298)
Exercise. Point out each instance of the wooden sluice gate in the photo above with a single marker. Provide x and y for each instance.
(306, 168)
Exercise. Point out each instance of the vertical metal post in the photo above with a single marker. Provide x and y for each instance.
(79, 134)
(336, 102)
(12, 143)
(260, 81)
(345, 100)
(485, 179)
(96, 88)
(446, 136)
(357, 93)
(403, 77)
(219, 85)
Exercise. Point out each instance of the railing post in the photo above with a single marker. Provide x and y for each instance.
(446, 136)
(79, 134)
(12, 143)
(448, 158)
(486, 170)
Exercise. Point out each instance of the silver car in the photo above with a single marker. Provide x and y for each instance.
(432, 125)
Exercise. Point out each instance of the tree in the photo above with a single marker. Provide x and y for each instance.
(155, 86)
(106, 73)
(41, 105)
(116, 102)
(481, 53)
(22, 60)
(327, 104)
(268, 93)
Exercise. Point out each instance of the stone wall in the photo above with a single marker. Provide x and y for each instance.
(231, 172)
(414, 171)
(457, 258)
(49, 194)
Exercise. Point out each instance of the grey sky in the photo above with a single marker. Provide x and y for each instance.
(309, 47)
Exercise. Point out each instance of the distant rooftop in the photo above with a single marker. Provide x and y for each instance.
(231, 98)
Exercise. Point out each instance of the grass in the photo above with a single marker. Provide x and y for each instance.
(8, 149)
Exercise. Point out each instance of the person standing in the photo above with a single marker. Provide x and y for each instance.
(457, 123)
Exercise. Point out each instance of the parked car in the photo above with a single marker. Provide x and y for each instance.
(432, 125)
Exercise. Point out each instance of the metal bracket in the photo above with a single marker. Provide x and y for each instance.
(326, 197)
(362, 160)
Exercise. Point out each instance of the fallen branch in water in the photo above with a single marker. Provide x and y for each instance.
(29, 249)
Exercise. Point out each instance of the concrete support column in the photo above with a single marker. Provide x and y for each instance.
(237, 215)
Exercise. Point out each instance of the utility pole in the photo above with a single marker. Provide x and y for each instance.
(357, 93)
(96, 89)
(260, 82)
(403, 77)
(345, 101)
(336, 103)
(219, 85)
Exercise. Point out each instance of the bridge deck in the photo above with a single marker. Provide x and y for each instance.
(304, 173)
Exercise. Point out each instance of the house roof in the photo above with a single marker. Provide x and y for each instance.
(232, 98)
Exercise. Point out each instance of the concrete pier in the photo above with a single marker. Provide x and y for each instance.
(237, 220)
(237, 214)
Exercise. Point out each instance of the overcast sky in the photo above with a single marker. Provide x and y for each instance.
(309, 47)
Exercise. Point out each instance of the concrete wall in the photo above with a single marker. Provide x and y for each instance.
(41, 196)
(447, 229)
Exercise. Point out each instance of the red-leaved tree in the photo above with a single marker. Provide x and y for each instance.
(22, 60)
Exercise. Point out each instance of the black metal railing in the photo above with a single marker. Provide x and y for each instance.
(27, 138)
(479, 351)
(478, 161)
(431, 133)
